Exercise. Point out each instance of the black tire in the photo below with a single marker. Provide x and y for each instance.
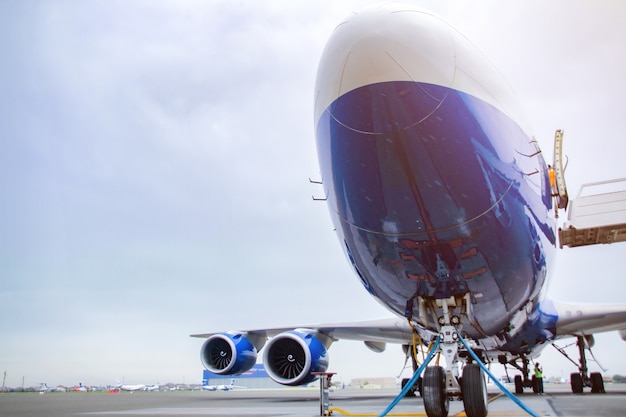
(519, 384)
(411, 392)
(436, 400)
(597, 383)
(474, 390)
(420, 386)
(576, 381)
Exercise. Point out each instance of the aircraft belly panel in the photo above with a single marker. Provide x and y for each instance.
(428, 202)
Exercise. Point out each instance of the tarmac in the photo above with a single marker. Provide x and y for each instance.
(301, 402)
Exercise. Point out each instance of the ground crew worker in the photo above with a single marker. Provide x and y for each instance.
(538, 379)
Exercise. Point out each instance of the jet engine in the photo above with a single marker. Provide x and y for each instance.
(291, 357)
(230, 353)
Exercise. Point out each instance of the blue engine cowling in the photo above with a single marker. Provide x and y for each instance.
(228, 354)
(292, 356)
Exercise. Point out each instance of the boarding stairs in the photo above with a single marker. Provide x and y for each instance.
(597, 215)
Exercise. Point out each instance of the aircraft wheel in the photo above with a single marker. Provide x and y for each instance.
(474, 390)
(597, 383)
(436, 401)
(519, 384)
(576, 381)
(411, 392)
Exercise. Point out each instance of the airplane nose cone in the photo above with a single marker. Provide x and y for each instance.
(384, 44)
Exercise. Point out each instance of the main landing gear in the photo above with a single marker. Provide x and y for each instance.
(581, 379)
(578, 380)
(521, 381)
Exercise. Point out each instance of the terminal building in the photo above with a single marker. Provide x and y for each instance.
(255, 378)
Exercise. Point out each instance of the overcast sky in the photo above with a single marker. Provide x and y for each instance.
(154, 165)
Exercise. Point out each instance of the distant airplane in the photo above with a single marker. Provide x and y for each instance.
(43, 387)
(130, 387)
(229, 387)
(446, 210)
(137, 387)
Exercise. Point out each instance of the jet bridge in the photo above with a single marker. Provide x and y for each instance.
(596, 215)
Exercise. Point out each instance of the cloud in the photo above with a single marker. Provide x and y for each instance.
(154, 171)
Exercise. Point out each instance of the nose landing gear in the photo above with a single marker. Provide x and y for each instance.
(440, 384)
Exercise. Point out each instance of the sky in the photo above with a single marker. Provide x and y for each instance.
(155, 159)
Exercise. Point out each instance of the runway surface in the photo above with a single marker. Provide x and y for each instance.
(557, 401)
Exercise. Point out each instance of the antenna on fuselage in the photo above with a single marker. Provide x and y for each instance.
(318, 198)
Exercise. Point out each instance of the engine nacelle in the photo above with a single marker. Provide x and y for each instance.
(229, 353)
(292, 356)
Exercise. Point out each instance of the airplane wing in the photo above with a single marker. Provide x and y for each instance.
(565, 320)
(390, 330)
(293, 355)
(587, 319)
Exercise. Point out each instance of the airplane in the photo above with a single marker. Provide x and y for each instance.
(229, 387)
(444, 206)
(131, 387)
(136, 387)
(43, 387)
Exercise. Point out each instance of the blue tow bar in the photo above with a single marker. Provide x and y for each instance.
(409, 385)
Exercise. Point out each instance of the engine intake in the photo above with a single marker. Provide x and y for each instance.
(228, 353)
(291, 357)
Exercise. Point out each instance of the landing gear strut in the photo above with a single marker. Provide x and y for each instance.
(521, 381)
(417, 388)
(582, 378)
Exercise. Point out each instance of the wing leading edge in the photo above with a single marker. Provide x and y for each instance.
(391, 330)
